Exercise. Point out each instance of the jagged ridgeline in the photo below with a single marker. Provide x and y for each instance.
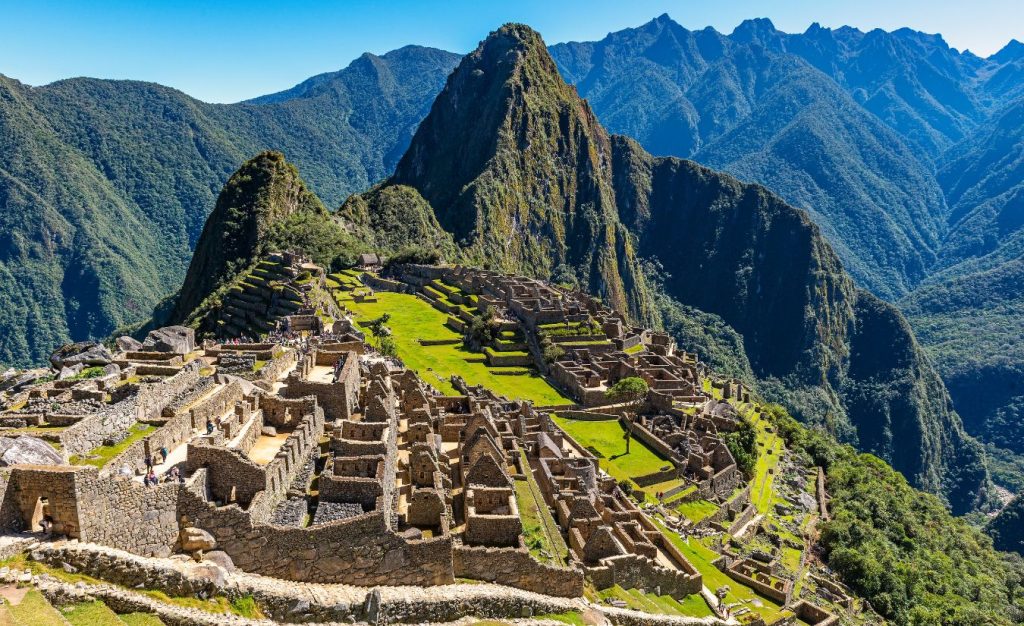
(512, 164)
(264, 207)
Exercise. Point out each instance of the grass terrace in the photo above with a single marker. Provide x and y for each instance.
(701, 557)
(102, 455)
(540, 532)
(413, 319)
(604, 439)
(692, 606)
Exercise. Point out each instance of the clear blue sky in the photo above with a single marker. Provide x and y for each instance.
(227, 50)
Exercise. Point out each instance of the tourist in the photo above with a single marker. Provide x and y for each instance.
(150, 480)
(164, 453)
(209, 426)
(149, 462)
(174, 475)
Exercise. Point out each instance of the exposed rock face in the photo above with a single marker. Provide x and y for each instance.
(176, 339)
(82, 352)
(517, 169)
(25, 450)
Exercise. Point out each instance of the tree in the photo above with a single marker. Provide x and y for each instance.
(388, 347)
(482, 329)
(378, 327)
(631, 391)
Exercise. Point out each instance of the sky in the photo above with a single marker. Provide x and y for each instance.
(229, 50)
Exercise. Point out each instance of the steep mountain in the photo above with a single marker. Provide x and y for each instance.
(971, 327)
(508, 111)
(514, 165)
(983, 179)
(969, 313)
(105, 185)
(263, 194)
(747, 104)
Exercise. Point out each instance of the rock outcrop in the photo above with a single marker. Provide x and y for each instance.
(25, 450)
(83, 352)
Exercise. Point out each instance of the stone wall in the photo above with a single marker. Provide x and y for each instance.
(58, 485)
(126, 515)
(338, 400)
(90, 432)
(631, 571)
(516, 568)
(359, 550)
(232, 477)
(216, 404)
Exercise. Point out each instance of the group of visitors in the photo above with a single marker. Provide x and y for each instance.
(173, 476)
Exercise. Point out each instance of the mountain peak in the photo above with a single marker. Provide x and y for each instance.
(1010, 52)
(757, 30)
(265, 191)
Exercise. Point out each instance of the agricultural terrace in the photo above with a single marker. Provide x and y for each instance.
(413, 319)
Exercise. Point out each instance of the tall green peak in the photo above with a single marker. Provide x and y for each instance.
(517, 168)
(256, 201)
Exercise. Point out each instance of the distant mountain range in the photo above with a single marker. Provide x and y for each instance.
(907, 154)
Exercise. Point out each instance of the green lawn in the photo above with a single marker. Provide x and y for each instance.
(696, 510)
(692, 606)
(413, 319)
(701, 556)
(93, 613)
(36, 610)
(100, 456)
(769, 453)
(606, 438)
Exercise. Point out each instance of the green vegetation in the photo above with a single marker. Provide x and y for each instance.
(900, 548)
(696, 510)
(607, 439)
(413, 319)
(1007, 528)
(93, 613)
(540, 532)
(102, 455)
(123, 173)
(692, 606)
(34, 609)
(630, 391)
(742, 443)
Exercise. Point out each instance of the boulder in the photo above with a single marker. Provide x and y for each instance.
(128, 344)
(210, 573)
(69, 371)
(268, 431)
(83, 352)
(112, 370)
(175, 339)
(220, 559)
(193, 539)
(26, 450)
